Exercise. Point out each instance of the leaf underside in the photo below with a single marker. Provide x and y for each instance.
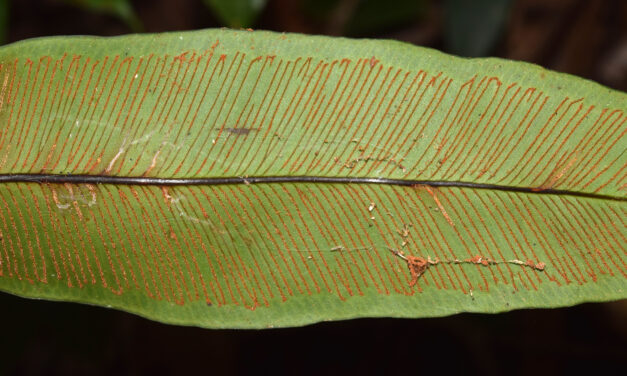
(535, 163)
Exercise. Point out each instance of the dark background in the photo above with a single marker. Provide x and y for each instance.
(583, 37)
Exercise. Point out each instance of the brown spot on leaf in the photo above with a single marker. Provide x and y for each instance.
(240, 131)
(417, 266)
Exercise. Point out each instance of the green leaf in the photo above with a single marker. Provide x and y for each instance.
(237, 13)
(4, 20)
(252, 179)
(376, 15)
(473, 28)
(121, 9)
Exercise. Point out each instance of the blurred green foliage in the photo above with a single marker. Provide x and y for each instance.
(472, 28)
(237, 13)
(373, 16)
(364, 17)
(121, 9)
(4, 20)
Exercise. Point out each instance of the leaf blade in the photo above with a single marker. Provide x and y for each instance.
(249, 273)
(209, 105)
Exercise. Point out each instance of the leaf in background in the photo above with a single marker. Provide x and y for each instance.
(4, 20)
(320, 9)
(237, 13)
(372, 16)
(471, 28)
(121, 9)
(250, 179)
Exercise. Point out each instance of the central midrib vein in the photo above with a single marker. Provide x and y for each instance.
(138, 180)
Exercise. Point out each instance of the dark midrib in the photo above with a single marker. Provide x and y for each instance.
(132, 180)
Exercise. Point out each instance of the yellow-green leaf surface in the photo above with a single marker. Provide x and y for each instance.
(253, 179)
